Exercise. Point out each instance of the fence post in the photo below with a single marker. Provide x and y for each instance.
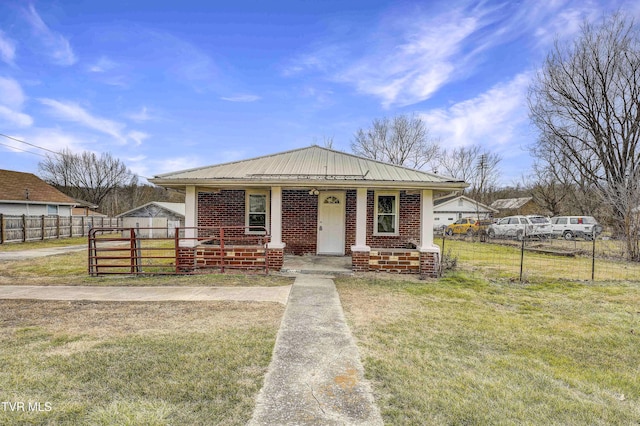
(82, 225)
(42, 227)
(2, 228)
(24, 228)
(58, 226)
(593, 255)
(524, 237)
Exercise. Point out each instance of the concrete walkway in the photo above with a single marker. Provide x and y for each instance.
(315, 376)
(146, 294)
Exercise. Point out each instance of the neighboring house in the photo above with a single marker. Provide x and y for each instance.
(156, 219)
(515, 206)
(27, 194)
(85, 208)
(450, 208)
(322, 202)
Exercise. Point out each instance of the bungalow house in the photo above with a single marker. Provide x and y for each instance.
(450, 208)
(319, 201)
(159, 219)
(26, 194)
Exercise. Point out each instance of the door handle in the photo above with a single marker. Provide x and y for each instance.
(320, 228)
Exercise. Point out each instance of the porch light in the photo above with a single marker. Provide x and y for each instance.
(314, 191)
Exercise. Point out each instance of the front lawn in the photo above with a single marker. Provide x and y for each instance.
(465, 350)
(133, 363)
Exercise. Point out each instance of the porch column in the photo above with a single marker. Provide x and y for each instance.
(429, 252)
(276, 218)
(360, 252)
(190, 216)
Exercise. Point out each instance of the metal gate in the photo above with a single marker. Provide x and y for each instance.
(122, 251)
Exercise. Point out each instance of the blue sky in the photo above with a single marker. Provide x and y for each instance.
(167, 85)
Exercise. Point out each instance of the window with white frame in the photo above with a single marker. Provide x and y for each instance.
(52, 210)
(386, 212)
(257, 211)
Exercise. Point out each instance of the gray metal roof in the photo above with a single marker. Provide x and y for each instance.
(440, 202)
(308, 165)
(510, 203)
(177, 208)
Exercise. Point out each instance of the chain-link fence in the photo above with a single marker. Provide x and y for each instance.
(539, 258)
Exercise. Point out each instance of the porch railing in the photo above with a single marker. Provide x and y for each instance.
(123, 251)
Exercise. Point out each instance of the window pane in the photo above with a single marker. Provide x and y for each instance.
(386, 204)
(257, 203)
(386, 223)
(257, 219)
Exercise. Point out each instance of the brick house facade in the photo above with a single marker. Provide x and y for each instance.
(319, 201)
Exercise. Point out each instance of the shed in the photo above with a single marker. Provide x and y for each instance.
(450, 208)
(155, 219)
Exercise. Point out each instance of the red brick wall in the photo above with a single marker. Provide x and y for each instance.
(409, 229)
(224, 208)
(299, 221)
(246, 258)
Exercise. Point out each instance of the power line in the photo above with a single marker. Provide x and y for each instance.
(30, 144)
(22, 150)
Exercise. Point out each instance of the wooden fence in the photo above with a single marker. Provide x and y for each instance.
(24, 228)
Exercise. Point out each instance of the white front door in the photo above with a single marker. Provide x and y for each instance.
(331, 223)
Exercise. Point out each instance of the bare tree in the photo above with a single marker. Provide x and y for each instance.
(474, 165)
(86, 176)
(585, 102)
(401, 140)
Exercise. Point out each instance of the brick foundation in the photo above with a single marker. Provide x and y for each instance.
(360, 261)
(190, 259)
(395, 260)
(430, 264)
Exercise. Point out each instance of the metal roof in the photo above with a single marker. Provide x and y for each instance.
(510, 203)
(177, 208)
(310, 165)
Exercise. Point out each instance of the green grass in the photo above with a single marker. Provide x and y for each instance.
(502, 260)
(196, 363)
(466, 350)
(71, 269)
(31, 245)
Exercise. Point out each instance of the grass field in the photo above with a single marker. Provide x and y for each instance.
(71, 269)
(196, 363)
(466, 350)
(502, 260)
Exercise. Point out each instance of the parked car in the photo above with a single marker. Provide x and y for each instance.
(519, 227)
(467, 225)
(570, 227)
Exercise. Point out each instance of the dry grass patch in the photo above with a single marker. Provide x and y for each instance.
(32, 245)
(71, 269)
(464, 350)
(135, 363)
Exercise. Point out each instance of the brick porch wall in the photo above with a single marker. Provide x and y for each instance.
(235, 257)
(299, 221)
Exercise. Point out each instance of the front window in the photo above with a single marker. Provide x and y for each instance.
(386, 209)
(257, 211)
(52, 210)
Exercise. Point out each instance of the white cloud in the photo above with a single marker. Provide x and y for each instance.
(15, 118)
(490, 119)
(11, 93)
(102, 65)
(7, 49)
(137, 137)
(57, 46)
(71, 111)
(11, 100)
(241, 98)
(140, 116)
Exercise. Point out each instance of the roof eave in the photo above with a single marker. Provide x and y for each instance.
(243, 183)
